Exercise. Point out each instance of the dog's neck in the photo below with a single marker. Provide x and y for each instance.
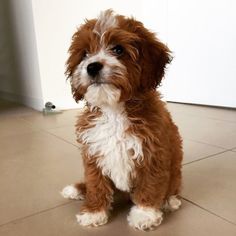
(117, 108)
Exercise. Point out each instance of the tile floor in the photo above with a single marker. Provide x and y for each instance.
(39, 156)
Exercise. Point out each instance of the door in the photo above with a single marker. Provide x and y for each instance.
(202, 35)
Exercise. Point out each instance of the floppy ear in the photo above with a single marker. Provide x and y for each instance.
(76, 53)
(154, 56)
(75, 56)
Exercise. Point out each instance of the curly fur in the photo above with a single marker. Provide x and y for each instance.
(152, 174)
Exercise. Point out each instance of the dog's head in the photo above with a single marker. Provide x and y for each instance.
(113, 59)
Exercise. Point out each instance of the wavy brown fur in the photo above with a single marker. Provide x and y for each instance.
(158, 174)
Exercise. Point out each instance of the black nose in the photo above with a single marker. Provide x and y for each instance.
(94, 68)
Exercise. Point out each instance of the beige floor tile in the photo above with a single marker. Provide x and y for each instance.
(67, 118)
(33, 169)
(190, 220)
(9, 109)
(209, 131)
(11, 126)
(204, 111)
(67, 133)
(35, 165)
(211, 184)
(10, 119)
(194, 150)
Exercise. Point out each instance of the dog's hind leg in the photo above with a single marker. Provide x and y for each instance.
(74, 191)
(173, 200)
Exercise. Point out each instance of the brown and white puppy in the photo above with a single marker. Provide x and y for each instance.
(130, 142)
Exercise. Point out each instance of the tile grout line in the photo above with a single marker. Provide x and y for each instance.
(46, 131)
(211, 118)
(206, 157)
(202, 117)
(232, 149)
(36, 213)
(189, 139)
(60, 138)
(40, 130)
(197, 141)
(211, 212)
(31, 124)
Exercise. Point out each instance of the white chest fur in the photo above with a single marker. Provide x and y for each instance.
(109, 139)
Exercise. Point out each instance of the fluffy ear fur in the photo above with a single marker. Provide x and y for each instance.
(154, 56)
(76, 54)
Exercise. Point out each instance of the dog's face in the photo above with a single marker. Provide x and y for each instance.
(113, 59)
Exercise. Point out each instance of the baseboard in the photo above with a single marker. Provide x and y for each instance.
(203, 105)
(35, 103)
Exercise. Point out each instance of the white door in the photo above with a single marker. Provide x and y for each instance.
(202, 35)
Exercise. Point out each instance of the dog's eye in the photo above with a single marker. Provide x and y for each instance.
(118, 50)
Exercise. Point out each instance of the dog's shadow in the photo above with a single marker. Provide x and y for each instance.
(121, 205)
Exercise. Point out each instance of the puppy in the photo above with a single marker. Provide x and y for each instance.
(130, 142)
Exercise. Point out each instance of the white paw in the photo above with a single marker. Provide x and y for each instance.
(92, 219)
(72, 192)
(172, 204)
(144, 218)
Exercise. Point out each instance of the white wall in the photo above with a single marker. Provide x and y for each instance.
(202, 34)
(20, 78)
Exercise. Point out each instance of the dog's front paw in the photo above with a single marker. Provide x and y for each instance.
(92, 218)
(71, 192)
(144, 218)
